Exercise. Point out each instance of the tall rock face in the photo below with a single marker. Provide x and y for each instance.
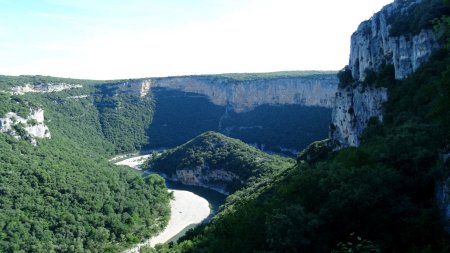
(314, 90)
(373, 46)
(245, 95)
(353, 109)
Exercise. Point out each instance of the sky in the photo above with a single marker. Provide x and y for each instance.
(116, 39)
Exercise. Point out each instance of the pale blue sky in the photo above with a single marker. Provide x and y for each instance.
(140, 38)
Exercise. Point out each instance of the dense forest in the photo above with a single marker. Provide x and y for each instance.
(378, 197)
(63, 195)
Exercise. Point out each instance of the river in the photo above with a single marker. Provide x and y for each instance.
(191, 205)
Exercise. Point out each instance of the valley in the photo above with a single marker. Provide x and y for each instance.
(355, 160)
(280, 112)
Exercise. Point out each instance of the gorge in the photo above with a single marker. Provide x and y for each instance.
(277, 112)
(373, 175)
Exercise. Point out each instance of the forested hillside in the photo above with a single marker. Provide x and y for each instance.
(212, 159)
(63, 195)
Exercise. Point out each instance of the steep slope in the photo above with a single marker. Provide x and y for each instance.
(215, 161)
(378, 197)
(63, 195)
(395, 41)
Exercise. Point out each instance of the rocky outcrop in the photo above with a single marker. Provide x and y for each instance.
(372, 47)
(145, 88)
(31, 128)
(353, 109)
(43, 88)
(139, 87)
(217, 180)
(240, 96)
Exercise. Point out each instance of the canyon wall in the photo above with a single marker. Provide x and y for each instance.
(372, 48)
(245, 95)
(314, 90)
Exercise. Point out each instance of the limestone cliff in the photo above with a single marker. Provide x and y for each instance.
(316, 90)
(372, 47)
(244, 95)
(30, 128)
(353, 109)
(140, 87)
(43, 88)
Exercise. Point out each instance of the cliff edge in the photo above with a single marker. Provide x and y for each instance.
(399, 37)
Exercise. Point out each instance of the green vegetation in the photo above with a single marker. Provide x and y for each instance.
(345, 77)
(384, 77)
(124, 119)
(7, 82)
(273, 75)
(419, 16)
(16, 105)
(318, 150)
(181, 116)
(375, 198)
(442, 28)
(277, 128)
(215, 151)
(63, 195)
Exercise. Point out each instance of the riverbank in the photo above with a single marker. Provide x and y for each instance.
(186, 209)
(134, 162)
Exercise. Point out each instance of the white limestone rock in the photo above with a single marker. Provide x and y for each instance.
(240, 96)
(33, 125)
(353, 109)
(373, 47)
(43, 88)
